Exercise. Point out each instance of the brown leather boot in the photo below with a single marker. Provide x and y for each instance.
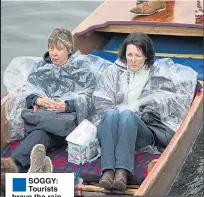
(107, 180)
(120, 180)
(149, 7)
(139, 2)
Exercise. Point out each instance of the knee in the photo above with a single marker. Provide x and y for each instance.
(112, 113)
(109, 119)
(38, 133)
(127, 114)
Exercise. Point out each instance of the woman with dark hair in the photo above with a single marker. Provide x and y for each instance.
(121, 131)
(143, 43)
(129, 93)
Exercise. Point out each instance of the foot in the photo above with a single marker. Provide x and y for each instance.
(48, 165)
(120, 181)
(37, 159)
(149, 7)
(7, 166)
(107, 180)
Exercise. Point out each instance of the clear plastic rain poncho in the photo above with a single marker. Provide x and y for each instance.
(168, 90)
(75, 80)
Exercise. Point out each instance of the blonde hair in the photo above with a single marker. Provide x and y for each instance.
(63, 36)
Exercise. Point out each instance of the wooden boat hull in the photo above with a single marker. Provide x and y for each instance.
(88, 36)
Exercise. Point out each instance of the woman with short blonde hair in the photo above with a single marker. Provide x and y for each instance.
(58, 92)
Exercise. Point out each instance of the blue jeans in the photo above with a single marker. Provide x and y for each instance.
(120, 134)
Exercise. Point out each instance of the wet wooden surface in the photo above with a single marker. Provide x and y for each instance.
(176, 12)
(131, 189)
(179, 14)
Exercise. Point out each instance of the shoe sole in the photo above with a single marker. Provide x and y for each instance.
(117, 192)
(105, 184)
(119, 185)
(150, 13)
(107, 191)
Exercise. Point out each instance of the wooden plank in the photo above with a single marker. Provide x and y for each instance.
(152, 29)
(92, 188)
(180, 13)
(193, 56)
(164, 172)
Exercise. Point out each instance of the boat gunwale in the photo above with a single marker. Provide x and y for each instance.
(145, 23)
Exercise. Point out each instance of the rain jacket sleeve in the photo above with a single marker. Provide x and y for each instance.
(84, 97)
(31, 101)
(104, 96)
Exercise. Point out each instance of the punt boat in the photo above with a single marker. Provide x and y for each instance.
(175, 34)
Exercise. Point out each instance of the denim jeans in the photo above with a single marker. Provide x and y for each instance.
(119, 135)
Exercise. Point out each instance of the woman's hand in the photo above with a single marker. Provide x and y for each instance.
(60, 105)
(46, 103)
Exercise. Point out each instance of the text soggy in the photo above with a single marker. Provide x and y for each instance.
(43, 180)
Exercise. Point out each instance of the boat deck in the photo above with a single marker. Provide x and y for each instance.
(115, 16)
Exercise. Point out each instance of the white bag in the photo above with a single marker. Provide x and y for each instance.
(83, 145)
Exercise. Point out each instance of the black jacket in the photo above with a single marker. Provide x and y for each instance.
(31, 102)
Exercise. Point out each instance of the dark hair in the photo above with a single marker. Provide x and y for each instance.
(141, 41)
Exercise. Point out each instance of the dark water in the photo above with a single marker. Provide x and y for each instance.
(24, 30)
(26, 25)
(190, 181)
